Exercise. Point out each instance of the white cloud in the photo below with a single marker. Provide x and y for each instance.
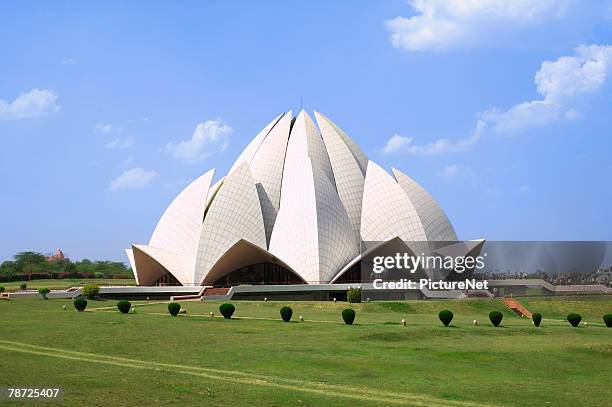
(449, 171)
(207, 138)
(37, 102)
(104, 128)
(524, 188)
(396, 143)
(460, 174)
(135, 178)
(447, 24)
(399, 144)
(564, 84)
(121, 143)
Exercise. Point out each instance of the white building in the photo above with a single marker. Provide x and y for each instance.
(296, 207)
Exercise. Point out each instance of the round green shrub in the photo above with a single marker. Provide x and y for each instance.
(496, 317)
(124, 306)
(174, 308)
(608, 320)
(348, 315)
(536, 317)
(286, 313)
(445, 316)
(43, 291)
(2, 289)
(227, 310)
(574, 319)
(91, 291)
(80, 304)
(23, 286)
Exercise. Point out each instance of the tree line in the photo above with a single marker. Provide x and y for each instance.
(33, 265)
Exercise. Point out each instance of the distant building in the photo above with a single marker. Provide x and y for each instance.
(59, 255)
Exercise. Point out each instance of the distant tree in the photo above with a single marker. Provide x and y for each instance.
(84, 266)
(71, 269)
(1, 289)
(8, 268)
(30, 262)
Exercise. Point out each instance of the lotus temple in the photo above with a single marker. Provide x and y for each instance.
(298, 207)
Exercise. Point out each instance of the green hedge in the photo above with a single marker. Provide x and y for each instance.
(174, 308)
(353, 295)
(80, 304)
(348, 315)
(574, 319)
(227, 310)
(608, 320)
(445, 316)
(43, 291)
(536, 317)
(496, 317)
(124, 306)
(91, 291)
(286, 313)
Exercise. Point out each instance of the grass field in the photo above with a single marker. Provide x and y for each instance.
(65, 283)
(102, 357)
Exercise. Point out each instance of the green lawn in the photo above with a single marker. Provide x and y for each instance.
(66, 283)
(102, 357)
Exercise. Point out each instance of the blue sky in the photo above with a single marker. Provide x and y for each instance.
(500, 109)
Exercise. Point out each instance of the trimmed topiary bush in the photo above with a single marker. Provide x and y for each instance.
(43, 291)
(22, 286)
(536, 317)
(608, 320)
(174, 308)
(574, 319)
(353, 295)
(445, 316)
(286, 313)
(80, 304)
(227, 310)
(348, 315)
(496, 317)
(124, 306)
(91, 291)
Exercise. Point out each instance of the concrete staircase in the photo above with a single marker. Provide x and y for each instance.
(216, 291)
(516, 307)
(205, 292)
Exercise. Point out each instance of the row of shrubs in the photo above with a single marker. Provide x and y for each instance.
(348, 315)
(496, 317)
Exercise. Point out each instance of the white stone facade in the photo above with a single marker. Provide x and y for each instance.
(300, 196)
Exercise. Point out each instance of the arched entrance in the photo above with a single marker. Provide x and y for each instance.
(259, 273)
